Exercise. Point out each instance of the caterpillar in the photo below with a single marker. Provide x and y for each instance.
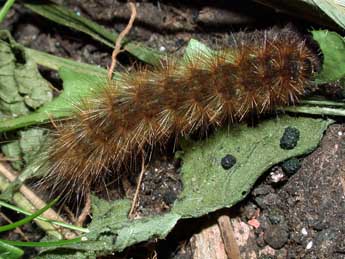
(128, 117)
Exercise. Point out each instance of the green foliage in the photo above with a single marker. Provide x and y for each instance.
(9, 251)
(58, 223)
(9, 248)
(28, 218)
(66, 17)
(4, 10)
(333, 10)
(21, 86)
(333, 48)
(255, 149)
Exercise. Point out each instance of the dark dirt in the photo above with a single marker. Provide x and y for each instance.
(301, 209)
(160, 187)
(304, 216)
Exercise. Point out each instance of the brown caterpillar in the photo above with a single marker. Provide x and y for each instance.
(128, 117)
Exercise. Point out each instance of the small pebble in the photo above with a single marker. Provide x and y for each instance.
(169, 197)
(260, 241)
(162, 49)
(228, 161)
(291, 166)
(262, 190)
(250, 210)
(254, 223)
(309, 245)
(180, 42)
(304, 232)
(276, 236)
(276, 216)
(290, 138)
(276, 177)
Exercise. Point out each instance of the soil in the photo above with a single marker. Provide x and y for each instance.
(303, 217)
(299, 206)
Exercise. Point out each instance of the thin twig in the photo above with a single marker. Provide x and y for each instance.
(227, 232)
(342, 181)
(342, 178)
(70, 215)
(17, 229)
(85, 212)
(119, 39)
(52, 121)
(37, 202)
(137, 190)
(3, 158)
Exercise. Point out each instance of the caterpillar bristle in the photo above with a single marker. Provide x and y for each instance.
(127, 118)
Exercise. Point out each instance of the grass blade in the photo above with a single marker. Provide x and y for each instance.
(44, 243)
(29, 218)
(10, 252)
(66, 17)
(4, 10)
(62, 224)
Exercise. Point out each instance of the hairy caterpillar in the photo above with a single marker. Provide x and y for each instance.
(128, 117)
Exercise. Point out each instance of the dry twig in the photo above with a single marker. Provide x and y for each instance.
(37, 202)
(119, 39)
(17, 229)
(86, 210)
(137, 190)
(230, 244)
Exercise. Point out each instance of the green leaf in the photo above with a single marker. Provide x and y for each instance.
(333, 9)
(255, 149)
(21, 86)
(329, 13)
(63, 16)
(196, 47)
(333, 49)
(13, 152)
(76, 86)
(66, 17)
(10, 252)
(24, 149)
(111, 230)
(56, 63)
(79, 80)
(30, 142)
(22, 89)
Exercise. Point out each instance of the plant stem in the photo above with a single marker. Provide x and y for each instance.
(323, 103)
(5, 9)
(59, 223)
(26, 199)
(315, 110)
(44, 243)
